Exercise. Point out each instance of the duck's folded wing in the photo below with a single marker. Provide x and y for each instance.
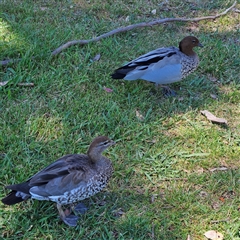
(55, 178)
(60, 168)
(153, 57)
(143, 62)
(59, 186)
(22, 191)
(60, 177)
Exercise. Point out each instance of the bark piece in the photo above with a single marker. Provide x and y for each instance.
(213, 118)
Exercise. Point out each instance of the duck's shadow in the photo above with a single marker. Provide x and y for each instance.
(126, 214)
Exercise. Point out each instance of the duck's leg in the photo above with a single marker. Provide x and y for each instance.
(70, 220)
(168, 92)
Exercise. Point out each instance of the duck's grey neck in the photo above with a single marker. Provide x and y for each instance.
(94, 156)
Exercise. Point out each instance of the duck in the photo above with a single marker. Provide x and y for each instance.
(70, 179)
(164, 65)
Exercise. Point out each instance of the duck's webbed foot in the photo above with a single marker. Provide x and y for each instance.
(80, 208)
(69, 219)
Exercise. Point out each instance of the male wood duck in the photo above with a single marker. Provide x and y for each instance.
(163, 65)
(69, 179)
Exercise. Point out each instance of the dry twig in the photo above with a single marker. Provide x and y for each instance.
(126, 29)
(218, 221)
(23, 84)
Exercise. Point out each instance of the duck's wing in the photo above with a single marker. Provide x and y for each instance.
(143, 62)
(153, 56)
(61, 176)
(56, 177)
(61, 168)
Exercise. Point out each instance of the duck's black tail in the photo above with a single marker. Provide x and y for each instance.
(118, 75)
(11, 199)
(22, 191)
(121, 72)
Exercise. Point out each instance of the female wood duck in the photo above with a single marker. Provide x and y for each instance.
(69, 179)
(163, 65)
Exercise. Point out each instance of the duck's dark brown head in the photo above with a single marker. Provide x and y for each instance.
(98, 145)
(188, 43)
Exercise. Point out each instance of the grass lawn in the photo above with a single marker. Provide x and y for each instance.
(169, 180)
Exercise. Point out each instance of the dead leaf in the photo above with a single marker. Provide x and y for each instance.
(219, 169)
(154, 11)
(109, 90)
(213, 235)
(96, 58)
(213, 118)
(127, 19)
(3, 83)
(222, 199)
(139, 116)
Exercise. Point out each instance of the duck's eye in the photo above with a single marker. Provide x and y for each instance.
(106, 143)
(193, 40)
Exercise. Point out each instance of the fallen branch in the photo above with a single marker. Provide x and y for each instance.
(126, 29)
(7, 61)
(138, 25)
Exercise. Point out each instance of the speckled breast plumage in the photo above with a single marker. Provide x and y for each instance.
(93, 186)
(189, 64)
